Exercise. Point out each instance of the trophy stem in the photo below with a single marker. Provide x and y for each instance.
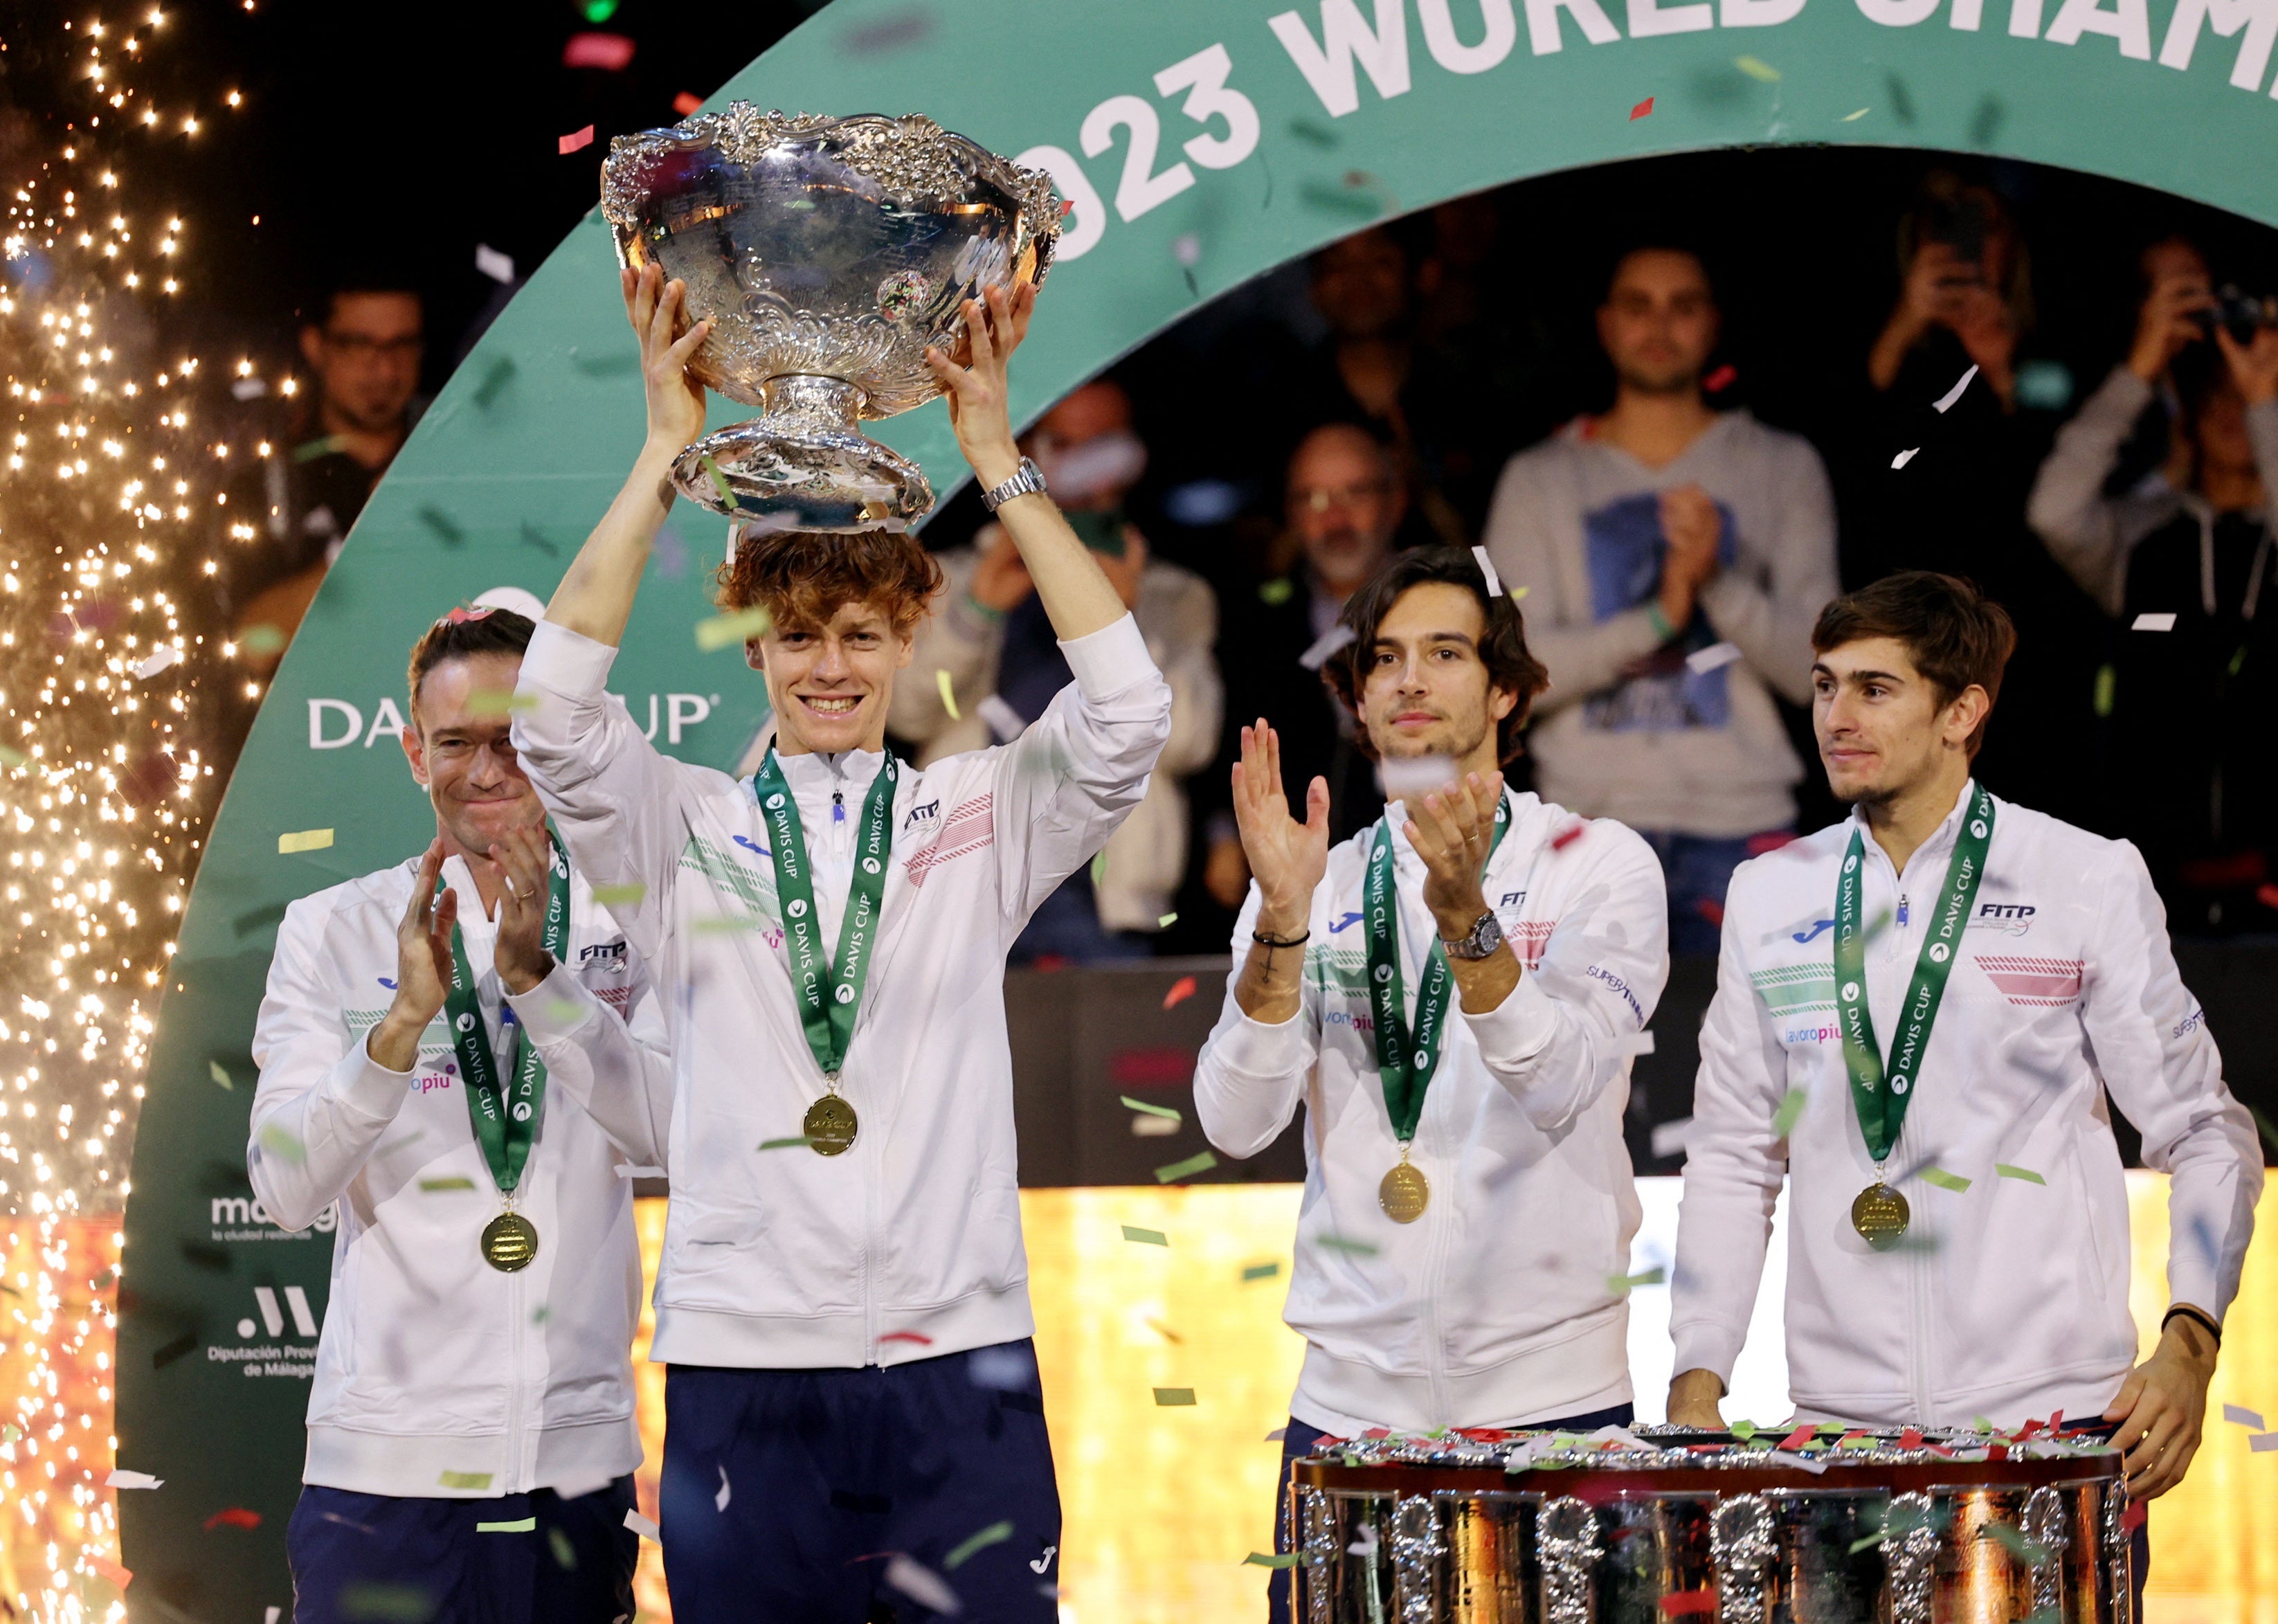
(804, 463)
(809, 403)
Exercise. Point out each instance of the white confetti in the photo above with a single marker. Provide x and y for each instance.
(497, 266)
(2154, 623)
(1636, 1043)
(1279, 1435)
(2243, 1417)
(121, 1478)
(922, 1585)
(248, 388)
(2263, 1441)
(1944, 401)
(1411, 777)
(625, 1169)
(1005, 724)
(1700, 661)
(1487, 569)
(1329, 642)
(270, 1615)
(1904, 458)
(643, 1527)
(720, 1500)
(161, 657)
(1787, 1458)
(1670, 1137)
(1365, 1545)
(1187, 249)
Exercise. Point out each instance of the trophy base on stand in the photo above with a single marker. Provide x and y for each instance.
(804, 465)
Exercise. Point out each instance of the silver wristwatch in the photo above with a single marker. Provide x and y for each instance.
(1031, 478)
(1486, 937)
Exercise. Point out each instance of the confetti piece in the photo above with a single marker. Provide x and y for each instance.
(719, 482)
(995, 1534)
(619, 896)
(499, 702)
(577, 140)
(1276, 593)
(1945, 402)
(2154, 623)
(1150, 1110)
(2267, 895)
(1945, 1180)
(1326, 645)
(948, 695)
(2004, 1171)
(161, 657)
(1757, 69)
(1279, 1559)
(497, 266)
(737, 628)
(1187, 249)
(1700, 661)
(1167, 922)
(1168, 1335)
(2231, 1413)
(1790, 1112)
(1518, 593)
(465, 1479)
(1872, 1540)
(625, 1169)
(1669, 1137)
(1145, 1238)
(1620, 1285)
(1487, 571)
(1906, 456)
(2262, 1441)
(105, 1569)
(214, 1071)
(611, 53)
(1800, 1437)
(1201, 1161)
(261, 640)
(525, 1525)
(921, 1584)
(11, 757)
(1338, 1243)
(305, 840)
(432, 1185)
(235, 1517)
(1679, 1604)
(1643, 109)
(2026, 1551)
(686, 102)
(1742, 1429)
(799, 1139)
(1567, 835)
(719, 926)
(1722, 379)
(638, 1524)
(1182, 990)
(1853, 118)
(1259, 1271)
(121, 1478)
(720, 1499)
(1174, 1398)
(907, 1336)
(277, 1139)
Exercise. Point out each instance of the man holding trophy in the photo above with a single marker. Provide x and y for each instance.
(853, 1397)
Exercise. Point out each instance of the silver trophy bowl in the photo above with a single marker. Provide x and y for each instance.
(830, 253)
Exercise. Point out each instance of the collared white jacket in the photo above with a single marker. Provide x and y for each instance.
(2008, 1299)
(1496, 1306)
(431, 1361)
(907, 1246)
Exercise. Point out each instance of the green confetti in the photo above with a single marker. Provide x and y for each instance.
(1171, 1397)
(1338, 1243)
(995, 1534)
(1145, 1238)
(1260, 1271)
(799, 1139)
(719, 483)
(1151, 1110)
(1790, 1112)
(1981, 1423)
(2005, 1170)
(1279, 1559)
(725, 924)
(1857, 1545)
(739, 626)
(2028, 1552)
(1098, 870)
(600, 10)
(433, 1184)
(1276, 593)
(619, 896)
(1620, 1285)
(561, 1010)
(466, 1480)
(276, 1138)
(2107, 686)
(499, 702)
(948, 694)
(261, 640)
(1167, 922)
(540, 1314)
(1757, 69)
(565, 1554)
(1742, 1429)
(305, 840)
(10, 757)
(386, 1604)
(2269, 1132)
(1945, 1180)
(525, 1525)
(215, 1071)
(1853, 118)
(1201, 1161)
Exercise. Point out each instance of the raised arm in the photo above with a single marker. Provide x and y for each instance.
(1077, 595)
(595, 597)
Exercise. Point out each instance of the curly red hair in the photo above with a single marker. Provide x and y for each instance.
(803, 577)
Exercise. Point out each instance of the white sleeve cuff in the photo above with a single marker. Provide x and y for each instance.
(556, 1009)
(374, 1091)
(1516, 1030)
(1702, 1346)
(1256, 1049)
(565, 661)
(1106, 663)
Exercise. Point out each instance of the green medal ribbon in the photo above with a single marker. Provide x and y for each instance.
(828, 1017)
(1406, 1065)
(1882, 1109)
(505, 1115)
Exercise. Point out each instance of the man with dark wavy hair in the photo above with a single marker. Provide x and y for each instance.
(843, 1303)
(1447, 1159)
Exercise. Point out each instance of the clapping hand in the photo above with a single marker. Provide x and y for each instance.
(522, 865)
(1453, 831)
(422, 965)
(1287, 858)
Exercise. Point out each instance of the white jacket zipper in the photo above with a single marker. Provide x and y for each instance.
(1917, 1319)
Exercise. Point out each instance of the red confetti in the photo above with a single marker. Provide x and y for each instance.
(1567, 835)
(1910, 1437)
(686, 102)
(1682, 1602)
(1642, 110)
(110, 1570)
(1760, 844)
(577, 140)
(1182, 990)
(2132, 1519)
(1800, 1437)
(1712, 910)
(1067, 207)
(611, 53)
(236, 1516)
(1724, 378)
(2267, 895)
(907, 1336)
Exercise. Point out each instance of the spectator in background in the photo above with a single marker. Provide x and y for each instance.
(1672, 559)
(1344, 500)
(1968, 280)
(989, 639)
(2192, 706)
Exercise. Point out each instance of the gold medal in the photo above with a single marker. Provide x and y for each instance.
(830, 1125)
(509, 1242)
(1880, 1214)
(1404, 1193)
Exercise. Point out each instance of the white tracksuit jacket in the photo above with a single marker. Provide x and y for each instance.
(431, 1360)
(1494, 1307)
(908, 1244)
(2008, 1300)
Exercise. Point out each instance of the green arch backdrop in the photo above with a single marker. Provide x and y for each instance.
(1212, 137)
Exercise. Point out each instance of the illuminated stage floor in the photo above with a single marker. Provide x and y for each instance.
(1161, 1504)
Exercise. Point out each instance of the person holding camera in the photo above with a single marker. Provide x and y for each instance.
(2182, 561)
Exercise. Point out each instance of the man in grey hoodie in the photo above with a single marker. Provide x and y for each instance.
(1672, 558)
